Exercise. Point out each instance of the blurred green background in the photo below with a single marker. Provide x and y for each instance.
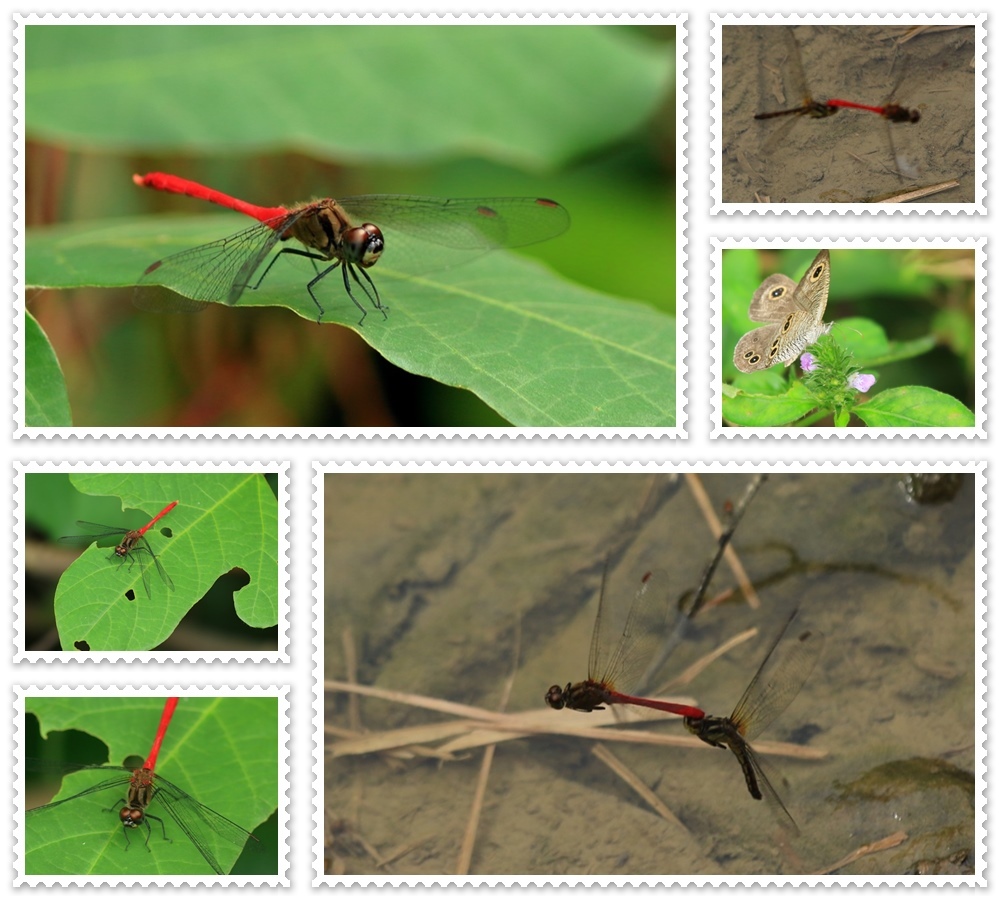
(585, 115)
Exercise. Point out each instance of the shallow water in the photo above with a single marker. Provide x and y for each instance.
(432, 572)
(849, 157)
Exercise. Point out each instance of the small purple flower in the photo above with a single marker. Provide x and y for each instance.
(808, 362)
(861, 382)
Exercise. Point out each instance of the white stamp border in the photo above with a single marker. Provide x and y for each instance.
(281, 654)
(977, 469)
(682, 52)
(280, 692)
(978, 206)
(792, 434)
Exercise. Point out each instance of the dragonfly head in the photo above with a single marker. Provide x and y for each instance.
(362, 245)
(555, 696)
(131, 816)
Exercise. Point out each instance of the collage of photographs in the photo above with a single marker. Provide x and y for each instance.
(390, 391)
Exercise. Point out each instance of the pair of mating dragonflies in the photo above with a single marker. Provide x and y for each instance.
(797, 91)
(615, 665)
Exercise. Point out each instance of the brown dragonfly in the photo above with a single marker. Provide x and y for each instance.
(780, 677)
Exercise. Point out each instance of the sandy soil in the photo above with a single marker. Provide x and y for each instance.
(848, 157)
(433, 572)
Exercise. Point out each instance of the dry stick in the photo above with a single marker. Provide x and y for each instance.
(405, 742)
(887, 843)
(699, 666)
(698, 602)
(701, 498)
(540, 721)
(351, 673)
(469, 841)
(401, 851)
(634, 782)
(921, 192)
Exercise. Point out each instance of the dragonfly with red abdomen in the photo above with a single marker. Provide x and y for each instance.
(611, 672)
(347, 233)
(132, 547)
(209, 831)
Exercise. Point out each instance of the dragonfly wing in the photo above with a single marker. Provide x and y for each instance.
(209, 273)
(463, 224)
(597, 660)
(118, 781)
(769, 794)
(642, 634)
(778, 680)
(200, 823)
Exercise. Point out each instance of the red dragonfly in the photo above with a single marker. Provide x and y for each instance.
(203, 826)
(893, 112)
(781, 675)
(346, 233)
(611, 674)
(817, 109)
(132, 545)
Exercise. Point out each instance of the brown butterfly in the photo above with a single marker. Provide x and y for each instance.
(796, 313)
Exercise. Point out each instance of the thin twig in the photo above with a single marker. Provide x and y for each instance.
(351, 674)
(723, 536)
(635, 782)
(472, 827)
(699, 666)
(887, 843)
(921, 192)
(511, 726)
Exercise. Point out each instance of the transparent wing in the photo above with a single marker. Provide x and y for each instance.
(463, 224)
(217, 272)
(779, 678)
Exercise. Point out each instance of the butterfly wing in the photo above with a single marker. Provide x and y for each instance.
(757, 349)
(772, 300)
(796, 309)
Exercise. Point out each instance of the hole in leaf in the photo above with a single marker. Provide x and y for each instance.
(240, 578)
(81, 645)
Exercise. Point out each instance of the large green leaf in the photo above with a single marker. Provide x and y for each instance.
(541, 351)
(46, 403)
(765, 410)
(915, 407)
(531, 96)
(222, 751)
(221, 522)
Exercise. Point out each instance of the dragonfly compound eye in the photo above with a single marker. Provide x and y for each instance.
(554, 697)
(364, 244)
(131, 818)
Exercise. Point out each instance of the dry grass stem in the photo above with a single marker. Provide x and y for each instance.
(699, 666)
(401, 851)
(887, 843)
(472, 826)
(483, 727)
(921, 192)
(739, 573)
(351, 674)
(635, 782)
